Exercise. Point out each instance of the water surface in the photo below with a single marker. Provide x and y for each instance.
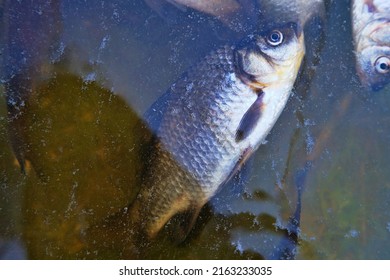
(108, 63)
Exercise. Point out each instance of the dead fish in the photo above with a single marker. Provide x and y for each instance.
(210, 122)
(241, 14)
(371, 33)
(282, 11)
(218, 8)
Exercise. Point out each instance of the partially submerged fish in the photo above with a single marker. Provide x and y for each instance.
(282, 11)
(241, 14)
(210, 122)
(371, 32)
(232, 13)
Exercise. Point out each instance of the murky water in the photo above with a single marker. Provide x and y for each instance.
(83, 135)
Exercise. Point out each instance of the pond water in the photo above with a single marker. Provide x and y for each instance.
(86, 74)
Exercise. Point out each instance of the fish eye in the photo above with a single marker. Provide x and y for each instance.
(275, 38)
(382, 65)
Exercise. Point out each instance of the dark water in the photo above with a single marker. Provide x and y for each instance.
(93, 74)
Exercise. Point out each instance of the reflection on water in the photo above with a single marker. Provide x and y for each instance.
(84, 143)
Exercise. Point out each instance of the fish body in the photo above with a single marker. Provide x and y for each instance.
(210, 121)
(371, 32)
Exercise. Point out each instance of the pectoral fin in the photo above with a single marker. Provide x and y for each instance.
(249, 120)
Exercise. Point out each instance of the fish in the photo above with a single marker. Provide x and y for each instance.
(208, 124)
(282, 11)
(216, 8)
(241, 15)
(230, 12)
(371, 35)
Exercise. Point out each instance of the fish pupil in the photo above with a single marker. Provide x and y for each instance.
(384, 66)
(275, 38)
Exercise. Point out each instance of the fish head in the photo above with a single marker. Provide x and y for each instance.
(268, 63)
(373, 66)
(271, 57)
(373, 56)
